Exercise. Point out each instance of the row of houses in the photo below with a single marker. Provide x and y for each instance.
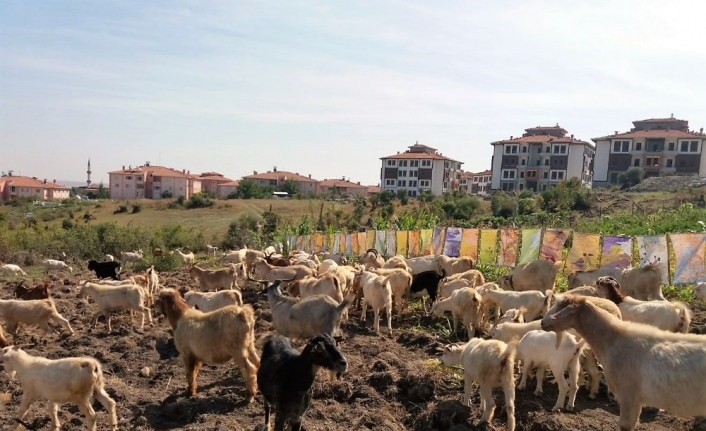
(544, 155)
(14, 186)
(157, 182)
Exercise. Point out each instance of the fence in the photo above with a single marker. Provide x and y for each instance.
(511, 247)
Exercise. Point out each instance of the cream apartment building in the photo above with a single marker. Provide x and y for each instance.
(420, 168)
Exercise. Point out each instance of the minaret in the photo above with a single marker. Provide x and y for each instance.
(88, 179)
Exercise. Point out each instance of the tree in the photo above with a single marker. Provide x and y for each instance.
(402, 197)
(632, 177)
(502, 205)
(291, 187)
(248, 189)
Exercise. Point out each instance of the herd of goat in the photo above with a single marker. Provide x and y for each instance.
(612, 317)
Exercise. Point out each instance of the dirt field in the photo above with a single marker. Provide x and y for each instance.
(393, 383)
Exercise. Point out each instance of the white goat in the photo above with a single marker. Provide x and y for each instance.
(109, 258)
(463, 303)
(665, 370)
(34, 312)
(55, 265)
(210, 301)
(490, 364)
(115, 298)
(327, 265)
(66, 380)
(378, 294)
(539, 348)
(152, 280)
(211, 250)
(9, 267)
(535, 303)
(187, 259)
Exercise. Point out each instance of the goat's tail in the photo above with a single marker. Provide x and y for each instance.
(507, 357)
(347, 301)
(580, 347)
(684, 317)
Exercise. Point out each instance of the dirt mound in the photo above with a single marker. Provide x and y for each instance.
(667, 184)
(394, 383)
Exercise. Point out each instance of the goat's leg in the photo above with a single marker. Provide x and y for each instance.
(94, 319)
(389, 317)
(593, 372)
(106, 314)
(147, 311)
(376, 320)
(486, 393)
(541, 372)
(629, 414)
(296, 424)
(526, 367)
(54, 415)
(365, 308)
(268, 411)
(509, 391)
(85, 408)
(192, 366)
(454, 318)
(574, 371)
(109, 405)
(467, 387)
(253, 355)
(563, 387)
(27, 401)
(280, 419)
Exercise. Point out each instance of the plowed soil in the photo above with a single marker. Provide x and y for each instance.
(393, 383)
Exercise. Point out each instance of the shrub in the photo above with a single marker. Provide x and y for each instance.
(166, 262)
(136, 208)
(121, 209)
(199, 201)
(502, 205)
(167, 194)
(631, 177)
(67, 224)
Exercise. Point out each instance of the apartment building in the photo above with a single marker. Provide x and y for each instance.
(211, 180)
(478, 183)
(342, 187)
(275, 178)
(540, 158)
(225, 189)
(660, 146)
(12, 186)
(152, 182)
(420, 168)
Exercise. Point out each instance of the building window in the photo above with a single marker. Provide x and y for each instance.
(391, 163)
(684, 146)
(544, 187)
(621, 146)
(636, 163)
(553, 175)
(127, 186)
(638, 146)
(446, 185)
(37, 191)
(414, 163)
(390, 183)
(539, 150)
(524, 149)
(546, 175)
(403, 163)
(694, 147)
(671, 146)
(424, 183)
(669, 163)
(522, 186)
(116, 185)
(508, 175)
(614, 178)
(426, 163)
(413, 174)
(652, 161)
(546, 162)
(561, 175)
(562, 149)
(401, 183)
(510, 149)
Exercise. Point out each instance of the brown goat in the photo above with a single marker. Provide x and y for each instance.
(214, 338)
(277, 261)
(28, 293)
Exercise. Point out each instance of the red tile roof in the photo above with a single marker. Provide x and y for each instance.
(276, 175)
(159, 171)
(19, 181)
(340, 183)
(230, 184)
(488, 172)
(214, 178)
(534, 139)
(654, 133)
(373, 189)
(409, 155)
(466, 174)
(658, 120)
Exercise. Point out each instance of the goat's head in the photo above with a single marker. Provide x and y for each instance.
(608, 287)
(170, 304)
(564, 315)
(323, 351)
(7, 354)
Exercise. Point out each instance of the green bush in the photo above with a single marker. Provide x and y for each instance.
(199, 201)
(166, 194)
(136, 208)
(166, 262)
(121, 209)
(68, 224)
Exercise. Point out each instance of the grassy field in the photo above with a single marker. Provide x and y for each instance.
(153, 214)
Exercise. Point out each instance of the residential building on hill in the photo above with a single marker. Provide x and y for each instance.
(225, 189)
(12, 186)
(420, 168)
(152, 182)
(275, 178)
(211, 180)
(540, 158)
(476, 184)
(342, 187)
(372, 190)
(660, 146)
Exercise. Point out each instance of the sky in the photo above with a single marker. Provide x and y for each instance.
(327, 88)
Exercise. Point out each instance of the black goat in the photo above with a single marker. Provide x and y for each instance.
(285, 376)
(427, 281)
(105, 269)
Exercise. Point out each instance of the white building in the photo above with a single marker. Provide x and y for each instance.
(419, 168)
(660, 146)
(540, 158)
(476, 184)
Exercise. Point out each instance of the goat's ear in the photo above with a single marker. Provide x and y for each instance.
(568, 310)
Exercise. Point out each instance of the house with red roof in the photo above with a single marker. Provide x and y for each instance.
(659, 146)
(276, 178)
(12, 186)
(342, 187)
(211, 180)
(420, 168)
(540, 158)
(152, 182)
